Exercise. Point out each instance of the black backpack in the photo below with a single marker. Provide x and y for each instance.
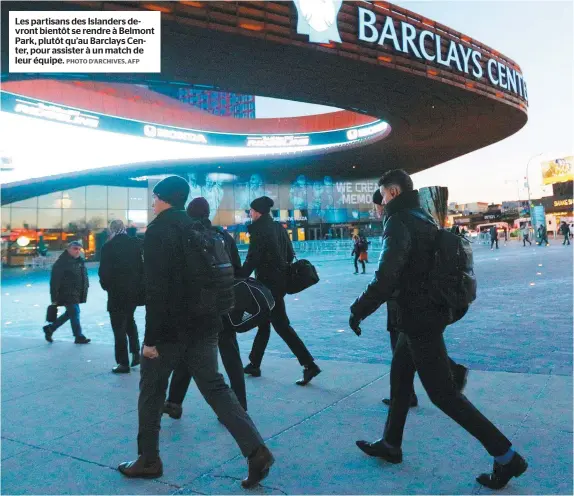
(253, 305)
(208, 274)
(451, 278)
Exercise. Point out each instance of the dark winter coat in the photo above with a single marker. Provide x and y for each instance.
(121, 272)
(69, 281)
(164, 263)
(404, 265)
(270, 252)
(493, 233)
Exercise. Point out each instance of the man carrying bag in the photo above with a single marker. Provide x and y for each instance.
(270, 253)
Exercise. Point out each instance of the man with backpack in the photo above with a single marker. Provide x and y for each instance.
(413, 246)
(183, 323)
(459, 372)
(198, 211)
(270, 253)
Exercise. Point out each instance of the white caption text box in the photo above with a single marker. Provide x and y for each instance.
(98, 41)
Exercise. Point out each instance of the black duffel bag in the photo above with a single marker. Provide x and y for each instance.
(301, 275)
(253, 305)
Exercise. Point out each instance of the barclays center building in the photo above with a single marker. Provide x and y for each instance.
(395, 90)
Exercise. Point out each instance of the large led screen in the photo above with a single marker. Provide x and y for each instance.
(42, 139)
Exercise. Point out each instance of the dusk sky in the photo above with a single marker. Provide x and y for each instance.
(538, 35)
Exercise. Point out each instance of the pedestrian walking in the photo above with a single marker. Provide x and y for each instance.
(183, 323)
(359, 252)
(121, 276)
(565, 230)
(69, 285)
(493, 237)
(407, 254)
(459, 372)
(543, 235)
(269, 255)
(198, 210)
(526, 236)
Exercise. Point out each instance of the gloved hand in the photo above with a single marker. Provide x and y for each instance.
(354, 322)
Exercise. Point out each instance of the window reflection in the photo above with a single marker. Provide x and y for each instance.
(97, 197)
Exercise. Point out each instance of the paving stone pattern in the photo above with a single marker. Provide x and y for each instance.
(521, 321)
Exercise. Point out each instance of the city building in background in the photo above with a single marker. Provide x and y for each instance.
(215, 102)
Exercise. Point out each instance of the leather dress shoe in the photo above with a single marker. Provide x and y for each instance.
(173, 410)
(140, 469)
(501, 474)
(48, 333)
(259, 463)
(381, 450)
(414, 401)
(308, 373)
(252, 370)
(82, 340)
(135, 359)
(121, 369)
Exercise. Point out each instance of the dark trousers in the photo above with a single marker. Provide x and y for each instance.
(544, 239)
(427, 356)
(199, 353)
(526, 240)
(282, 326)
(356, 265)
(125, 331)
(72, 314)
(492, 241)
(231, 358)
(566, 239)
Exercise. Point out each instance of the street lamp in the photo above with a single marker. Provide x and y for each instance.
(528, 182)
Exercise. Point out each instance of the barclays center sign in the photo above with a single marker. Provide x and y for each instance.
(318, 20)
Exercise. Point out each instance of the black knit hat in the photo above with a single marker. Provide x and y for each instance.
(198, 208)
(377, 197)
(173, 190)
(262, 204)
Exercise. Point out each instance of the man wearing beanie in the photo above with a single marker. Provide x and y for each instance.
(270, 252)
(198, 211)
(173, 335)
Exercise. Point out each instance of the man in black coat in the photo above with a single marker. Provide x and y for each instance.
(121, 275)
(407, 254)
(198, 211)
(173, 334)
(459, 372)
(270, 253)
(69, 288)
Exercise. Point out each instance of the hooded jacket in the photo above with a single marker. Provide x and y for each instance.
(403, 270)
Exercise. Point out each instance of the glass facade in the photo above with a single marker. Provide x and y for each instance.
(50, 222)
(309, 209)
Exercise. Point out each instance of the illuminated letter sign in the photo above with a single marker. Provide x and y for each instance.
(281, 141)
(56, 113)
(318, 20)
(426, 45)
(364, 132)
(173, 134)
